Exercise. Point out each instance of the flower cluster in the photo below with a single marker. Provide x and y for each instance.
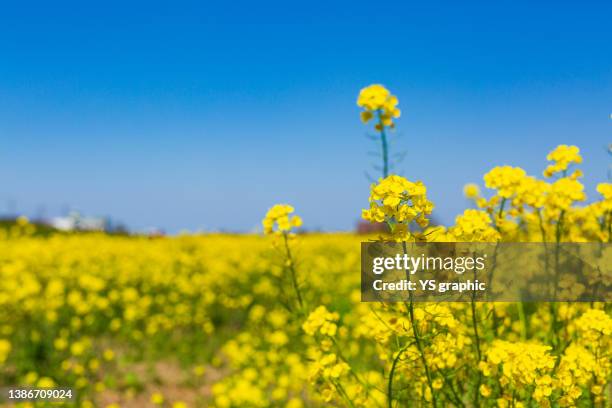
(562, 157)
(564, 193)
(530, 192)
(474, 226)
(377, 102)
(398, 202)
(279, 219)
(322, 321)
(518, 367)
(504, 179)
(605, 189)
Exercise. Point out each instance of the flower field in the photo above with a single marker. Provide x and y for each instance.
(276, 319)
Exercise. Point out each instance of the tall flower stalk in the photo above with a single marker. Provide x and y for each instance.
(399, 202)
(379, 105)
(475, 226)
(280, 223)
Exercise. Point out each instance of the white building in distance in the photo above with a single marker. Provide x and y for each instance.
(75, 222)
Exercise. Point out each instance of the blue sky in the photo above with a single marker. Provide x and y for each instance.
(202, 115)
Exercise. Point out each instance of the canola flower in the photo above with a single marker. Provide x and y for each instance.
(398, 202)
(377, 102)
(474, 226)
(471, 191)
(380, 105)
(279, 219)
(563, 156)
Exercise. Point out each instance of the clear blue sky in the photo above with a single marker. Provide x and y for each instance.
(203, 114)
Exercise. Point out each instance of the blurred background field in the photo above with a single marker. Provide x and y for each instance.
(123, 319)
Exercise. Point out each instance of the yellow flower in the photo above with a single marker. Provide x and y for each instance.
(30, 378)
(485, 390)
(564, 193)
(295, 403)
(77, 348)
(398, 202)
(108, 355)
(60, 343)
(562, 156)
(278, 219)
(377, 101)
(505, 179)
(605, 189)
(5, 349)
(321, 320)
(521, 364)
(531, 192)
(45, 382)
(471, 191)
(474, 226)
(199, 370)
(157, 398)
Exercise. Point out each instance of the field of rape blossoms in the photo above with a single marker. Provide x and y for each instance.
(276, 319)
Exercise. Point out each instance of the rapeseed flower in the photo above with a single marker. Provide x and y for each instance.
(562, 157)
(398, 202)
(378, 103)
(279, 219)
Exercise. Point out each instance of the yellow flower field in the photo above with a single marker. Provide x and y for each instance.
(276, 319)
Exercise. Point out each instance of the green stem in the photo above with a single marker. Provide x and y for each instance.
(292, 270)
(343, 358)
(559, 231)
(553, 305)
(541, 222)
(343, 393)
(501, 211)
(523, 320)
(475, 325)
(544, 241)
(609, 226)
(478, 352)
(385, 148)
(391, 374)
(417, 341)
(454, 393)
